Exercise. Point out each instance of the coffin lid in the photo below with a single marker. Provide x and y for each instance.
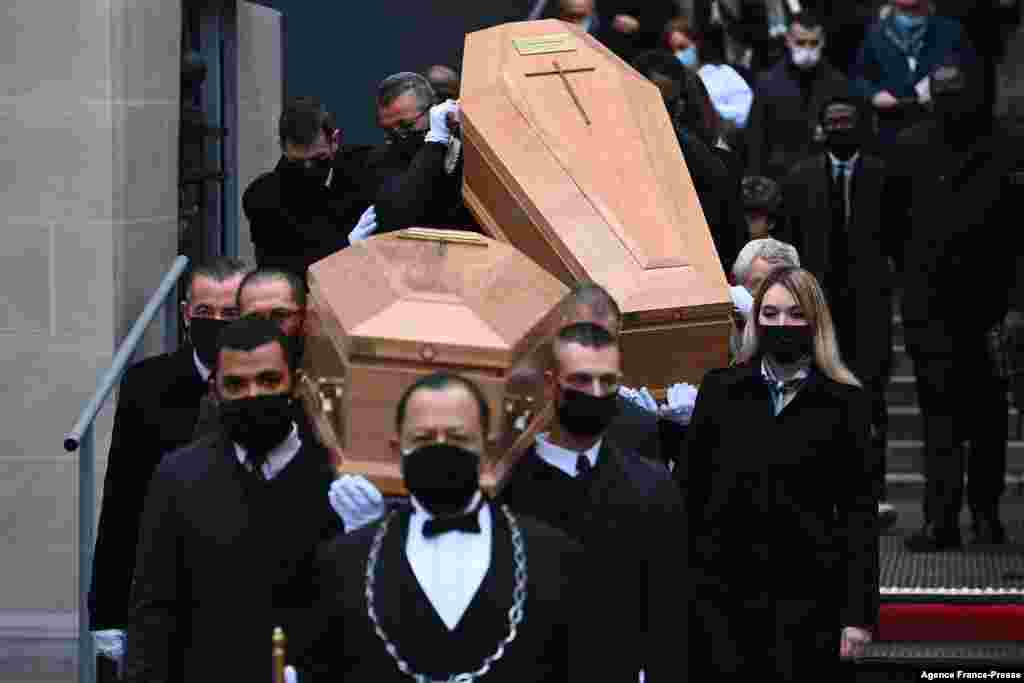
(435, 296)
(593, 164)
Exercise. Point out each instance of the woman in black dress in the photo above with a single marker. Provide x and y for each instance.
(782, 505)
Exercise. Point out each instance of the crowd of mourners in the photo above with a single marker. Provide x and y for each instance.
(850, 168)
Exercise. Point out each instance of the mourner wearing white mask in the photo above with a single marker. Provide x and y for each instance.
(452, 583)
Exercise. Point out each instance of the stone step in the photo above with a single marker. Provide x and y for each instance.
(905, 423)
(906, 456)
(901, 391)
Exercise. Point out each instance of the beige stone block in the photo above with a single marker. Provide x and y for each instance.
(83, 281)
(145, 251)
(38, 522)
(25, 277)
(59, 158)
(145, 160)
(145, 50)
(44, 391)
(58, 48)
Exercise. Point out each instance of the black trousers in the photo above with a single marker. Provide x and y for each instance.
(962, 399)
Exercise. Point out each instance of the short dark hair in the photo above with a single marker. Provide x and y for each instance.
(261, 275)
(445, 82)
(302, 120)
(437, 381)
(588, 335)
(396, 85)
(593, 296)
(220, 269)
(691, 94)
(809, 20)
(251, 332)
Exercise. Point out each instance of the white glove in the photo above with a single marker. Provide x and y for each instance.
(439, 131)
(290, 675)
(681, 399)
(366, 226)
(356, 500)
(742, 301)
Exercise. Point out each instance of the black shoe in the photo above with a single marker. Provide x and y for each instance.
(933, 539)
(987, 530)
(887, 516)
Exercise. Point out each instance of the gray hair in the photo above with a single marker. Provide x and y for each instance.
(771, 250)
(396, 85)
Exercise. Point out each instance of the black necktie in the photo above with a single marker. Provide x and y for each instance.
(583, 467)
(468, 522)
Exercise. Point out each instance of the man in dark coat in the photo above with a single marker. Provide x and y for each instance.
(304, 209)
(625, 511)
(717, 190)
(956, 180)
(415, 177)
(453, 582)
(898, 54)
(783, 125)
(157, 410)
(230, 527)
(840, 228)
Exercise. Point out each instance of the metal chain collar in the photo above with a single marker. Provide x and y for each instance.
(515, 613)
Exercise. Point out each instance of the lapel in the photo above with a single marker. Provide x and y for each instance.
(485, 617)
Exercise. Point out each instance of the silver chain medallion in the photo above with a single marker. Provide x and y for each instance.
(515, 613)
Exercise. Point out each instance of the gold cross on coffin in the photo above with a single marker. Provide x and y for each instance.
(568, 86)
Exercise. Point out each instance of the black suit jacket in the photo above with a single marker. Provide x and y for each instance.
(952, 209)
(222, 559)
(784, 118)
(631, 522)
(862, 306)
(415, 191)
(340, 643)
(764, 525)
(293, 226)
(635, 430)
(157, 408)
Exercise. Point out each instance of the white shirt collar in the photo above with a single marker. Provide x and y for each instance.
(450, 567)
(563, 458)
(279, 456)
(836, 162)
(768, 371)
(203, 371)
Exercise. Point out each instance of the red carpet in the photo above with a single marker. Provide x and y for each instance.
(948, 622)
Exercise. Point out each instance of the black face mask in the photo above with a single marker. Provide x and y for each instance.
(257, 423)
(298, 177)
(584, 415)
(407, 144)
(203, 334)
(843, 144)
(442, 477)
(787, 343)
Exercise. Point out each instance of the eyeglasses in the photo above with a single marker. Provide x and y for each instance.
(404, 129)
(277, 315)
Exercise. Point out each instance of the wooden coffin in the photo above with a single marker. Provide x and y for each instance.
(398, 306)
(571, 157)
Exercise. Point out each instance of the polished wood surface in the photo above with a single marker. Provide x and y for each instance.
(389, 310)
(571, 157)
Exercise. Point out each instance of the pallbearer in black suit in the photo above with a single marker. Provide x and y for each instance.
(779, 480)
(230, 527)
(451, 586)
(157, 409)
(834, 206)
(624, 509)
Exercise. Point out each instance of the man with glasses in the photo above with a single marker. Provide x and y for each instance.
(157, 411)
(415, 177)
(302, 211)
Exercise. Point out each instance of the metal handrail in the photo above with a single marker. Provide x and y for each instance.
(82, 437)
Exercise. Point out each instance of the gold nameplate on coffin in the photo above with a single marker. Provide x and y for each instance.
(544, 44)
(572, 158)
(395, 307)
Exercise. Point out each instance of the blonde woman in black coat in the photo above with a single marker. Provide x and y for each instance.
(782, 505)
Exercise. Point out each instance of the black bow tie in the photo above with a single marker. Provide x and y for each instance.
(468, 522)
